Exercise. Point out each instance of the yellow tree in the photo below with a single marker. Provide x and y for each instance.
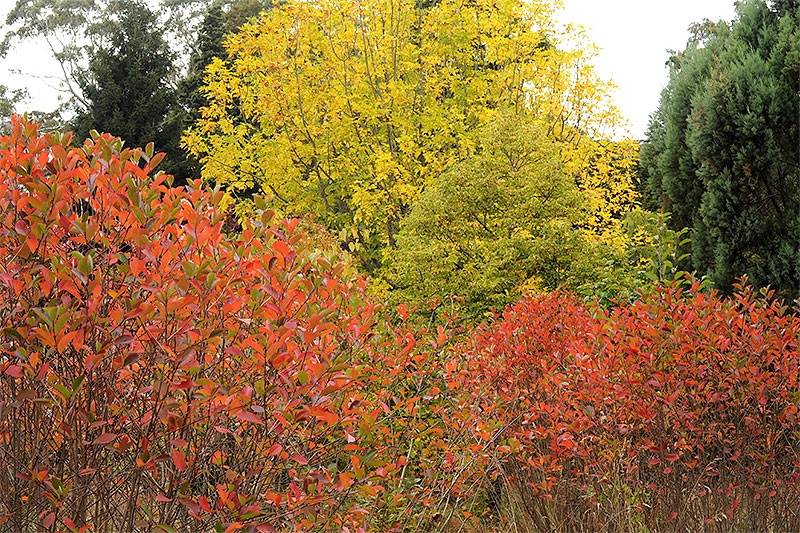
(347, 108)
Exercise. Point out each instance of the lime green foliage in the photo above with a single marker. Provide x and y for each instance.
(654, 250)
(347, 110)
(651, 253)
(504, 220)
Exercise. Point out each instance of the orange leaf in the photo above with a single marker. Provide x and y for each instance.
(64, 341)
(179, 460)
(369, 490)
(346, 480)
(233, 527)
(281, 248)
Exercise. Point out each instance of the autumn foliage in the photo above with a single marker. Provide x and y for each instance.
(677, 412)
(158, 372)
(351, 109)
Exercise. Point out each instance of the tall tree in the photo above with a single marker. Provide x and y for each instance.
(9, 100)
(723, 151)
(74, 30)
(127, 90)
(217, 23)
(209, 45)
(348, 108)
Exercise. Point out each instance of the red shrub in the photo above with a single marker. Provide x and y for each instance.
(679, 410)
(158, 374)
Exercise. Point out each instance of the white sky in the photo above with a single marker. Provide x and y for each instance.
(633, 36)
(33, 59)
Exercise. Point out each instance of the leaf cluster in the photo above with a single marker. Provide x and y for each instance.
(503, 221)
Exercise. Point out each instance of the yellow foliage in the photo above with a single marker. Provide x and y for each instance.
(606, 172)
(348, 108)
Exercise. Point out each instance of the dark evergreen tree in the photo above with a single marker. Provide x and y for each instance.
(240, 11)
(209, 45)
(128, 88)
(722, 153)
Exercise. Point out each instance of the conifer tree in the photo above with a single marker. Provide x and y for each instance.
(127, 88)
(209, 46)
(723, 149)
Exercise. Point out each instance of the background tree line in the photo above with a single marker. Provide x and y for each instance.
(129, 67)
(401, 126)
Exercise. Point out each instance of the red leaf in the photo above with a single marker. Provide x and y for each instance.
(21, 227)
(179, 460)
(300, 459)
(14, 371)
(247, 416)
(204, 504)
(105, 438)
(49, 520)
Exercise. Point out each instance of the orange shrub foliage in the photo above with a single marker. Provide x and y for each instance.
(678, 411)
(157, 374)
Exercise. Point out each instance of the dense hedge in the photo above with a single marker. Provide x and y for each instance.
(677, 411)
(157, 373)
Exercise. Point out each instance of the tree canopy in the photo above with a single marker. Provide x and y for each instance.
(723, 146)
(347, 109)
(126, 89)
(500, 222)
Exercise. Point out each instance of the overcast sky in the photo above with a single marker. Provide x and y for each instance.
(34, 59)
(633, 36)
